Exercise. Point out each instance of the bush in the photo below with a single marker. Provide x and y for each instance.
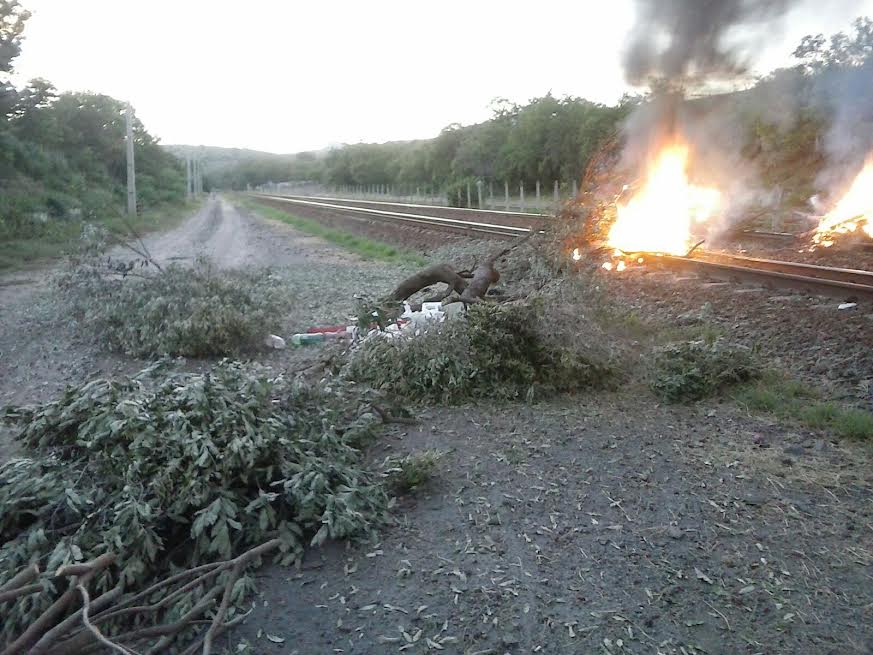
(694, 370)
(198, 311)
(195, 469)
(411, 472)
(498, 352)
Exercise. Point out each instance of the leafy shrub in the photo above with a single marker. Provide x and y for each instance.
(411, 472)
(197, 311)
(498, 352)
(693, 370)
(194, 469)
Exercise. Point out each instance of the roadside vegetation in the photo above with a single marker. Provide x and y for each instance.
(497, 353)
(62, 162)
(789, 399)
(694, 370)
(366, 248)
(168, 471)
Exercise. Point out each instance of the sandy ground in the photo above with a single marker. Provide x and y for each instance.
(604, 523)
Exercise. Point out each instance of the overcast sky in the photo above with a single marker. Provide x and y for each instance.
(286, 76)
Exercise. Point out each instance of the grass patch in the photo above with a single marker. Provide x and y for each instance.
(60, 237)
(411, 472)
(790, 399)
(367, 248)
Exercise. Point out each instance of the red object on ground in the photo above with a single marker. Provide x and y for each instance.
(331, 328)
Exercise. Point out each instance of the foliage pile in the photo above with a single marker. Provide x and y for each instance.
(498, 352)
(178, 472)
(190, 311)
(693, 370)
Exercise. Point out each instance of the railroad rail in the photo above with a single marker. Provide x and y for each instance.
(845, 283)
(454, 224)
(497, 214)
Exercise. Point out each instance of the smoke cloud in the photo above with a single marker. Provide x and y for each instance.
(686, 40)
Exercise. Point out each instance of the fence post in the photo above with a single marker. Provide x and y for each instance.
(557, 194)
(490, 194)
(469, 199)
(575, 189)
(521, 194)
(506, 194)
(538, 196)
(479, 192)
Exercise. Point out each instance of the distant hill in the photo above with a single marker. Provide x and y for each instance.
(237, 167)
(217, 159)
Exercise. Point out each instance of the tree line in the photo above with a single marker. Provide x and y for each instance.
(549, 139)
(62, 155)
(784, 122)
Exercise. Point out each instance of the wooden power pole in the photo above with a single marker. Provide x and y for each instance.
(131, 169)
(189, 188)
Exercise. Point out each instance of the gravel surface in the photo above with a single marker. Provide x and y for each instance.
(603, 523)
(808, 336)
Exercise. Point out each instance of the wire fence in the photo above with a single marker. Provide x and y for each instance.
(522, 197)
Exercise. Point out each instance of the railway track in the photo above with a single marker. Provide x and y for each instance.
(844, 283)
(445, 218)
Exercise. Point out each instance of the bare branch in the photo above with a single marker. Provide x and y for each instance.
(86, 603)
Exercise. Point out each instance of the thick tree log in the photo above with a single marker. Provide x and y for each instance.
(484, 275)
(428, 277)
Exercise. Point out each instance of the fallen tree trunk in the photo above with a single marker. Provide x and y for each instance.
(428, 277)
(484, 275)
(480, 279)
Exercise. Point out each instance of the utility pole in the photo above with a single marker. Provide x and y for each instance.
(131, 169)
(188, 182)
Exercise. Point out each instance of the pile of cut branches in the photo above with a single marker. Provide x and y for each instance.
(136, 496)
(495, 352)
(140, 308)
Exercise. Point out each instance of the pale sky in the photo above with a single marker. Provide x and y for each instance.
(287, 76)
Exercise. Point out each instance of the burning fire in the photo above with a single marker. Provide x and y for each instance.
(660, 217)
(853, 211)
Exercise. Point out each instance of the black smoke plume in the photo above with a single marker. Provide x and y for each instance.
(691, 41)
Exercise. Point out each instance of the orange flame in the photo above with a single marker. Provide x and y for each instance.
(660, 217)
(854, 210)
